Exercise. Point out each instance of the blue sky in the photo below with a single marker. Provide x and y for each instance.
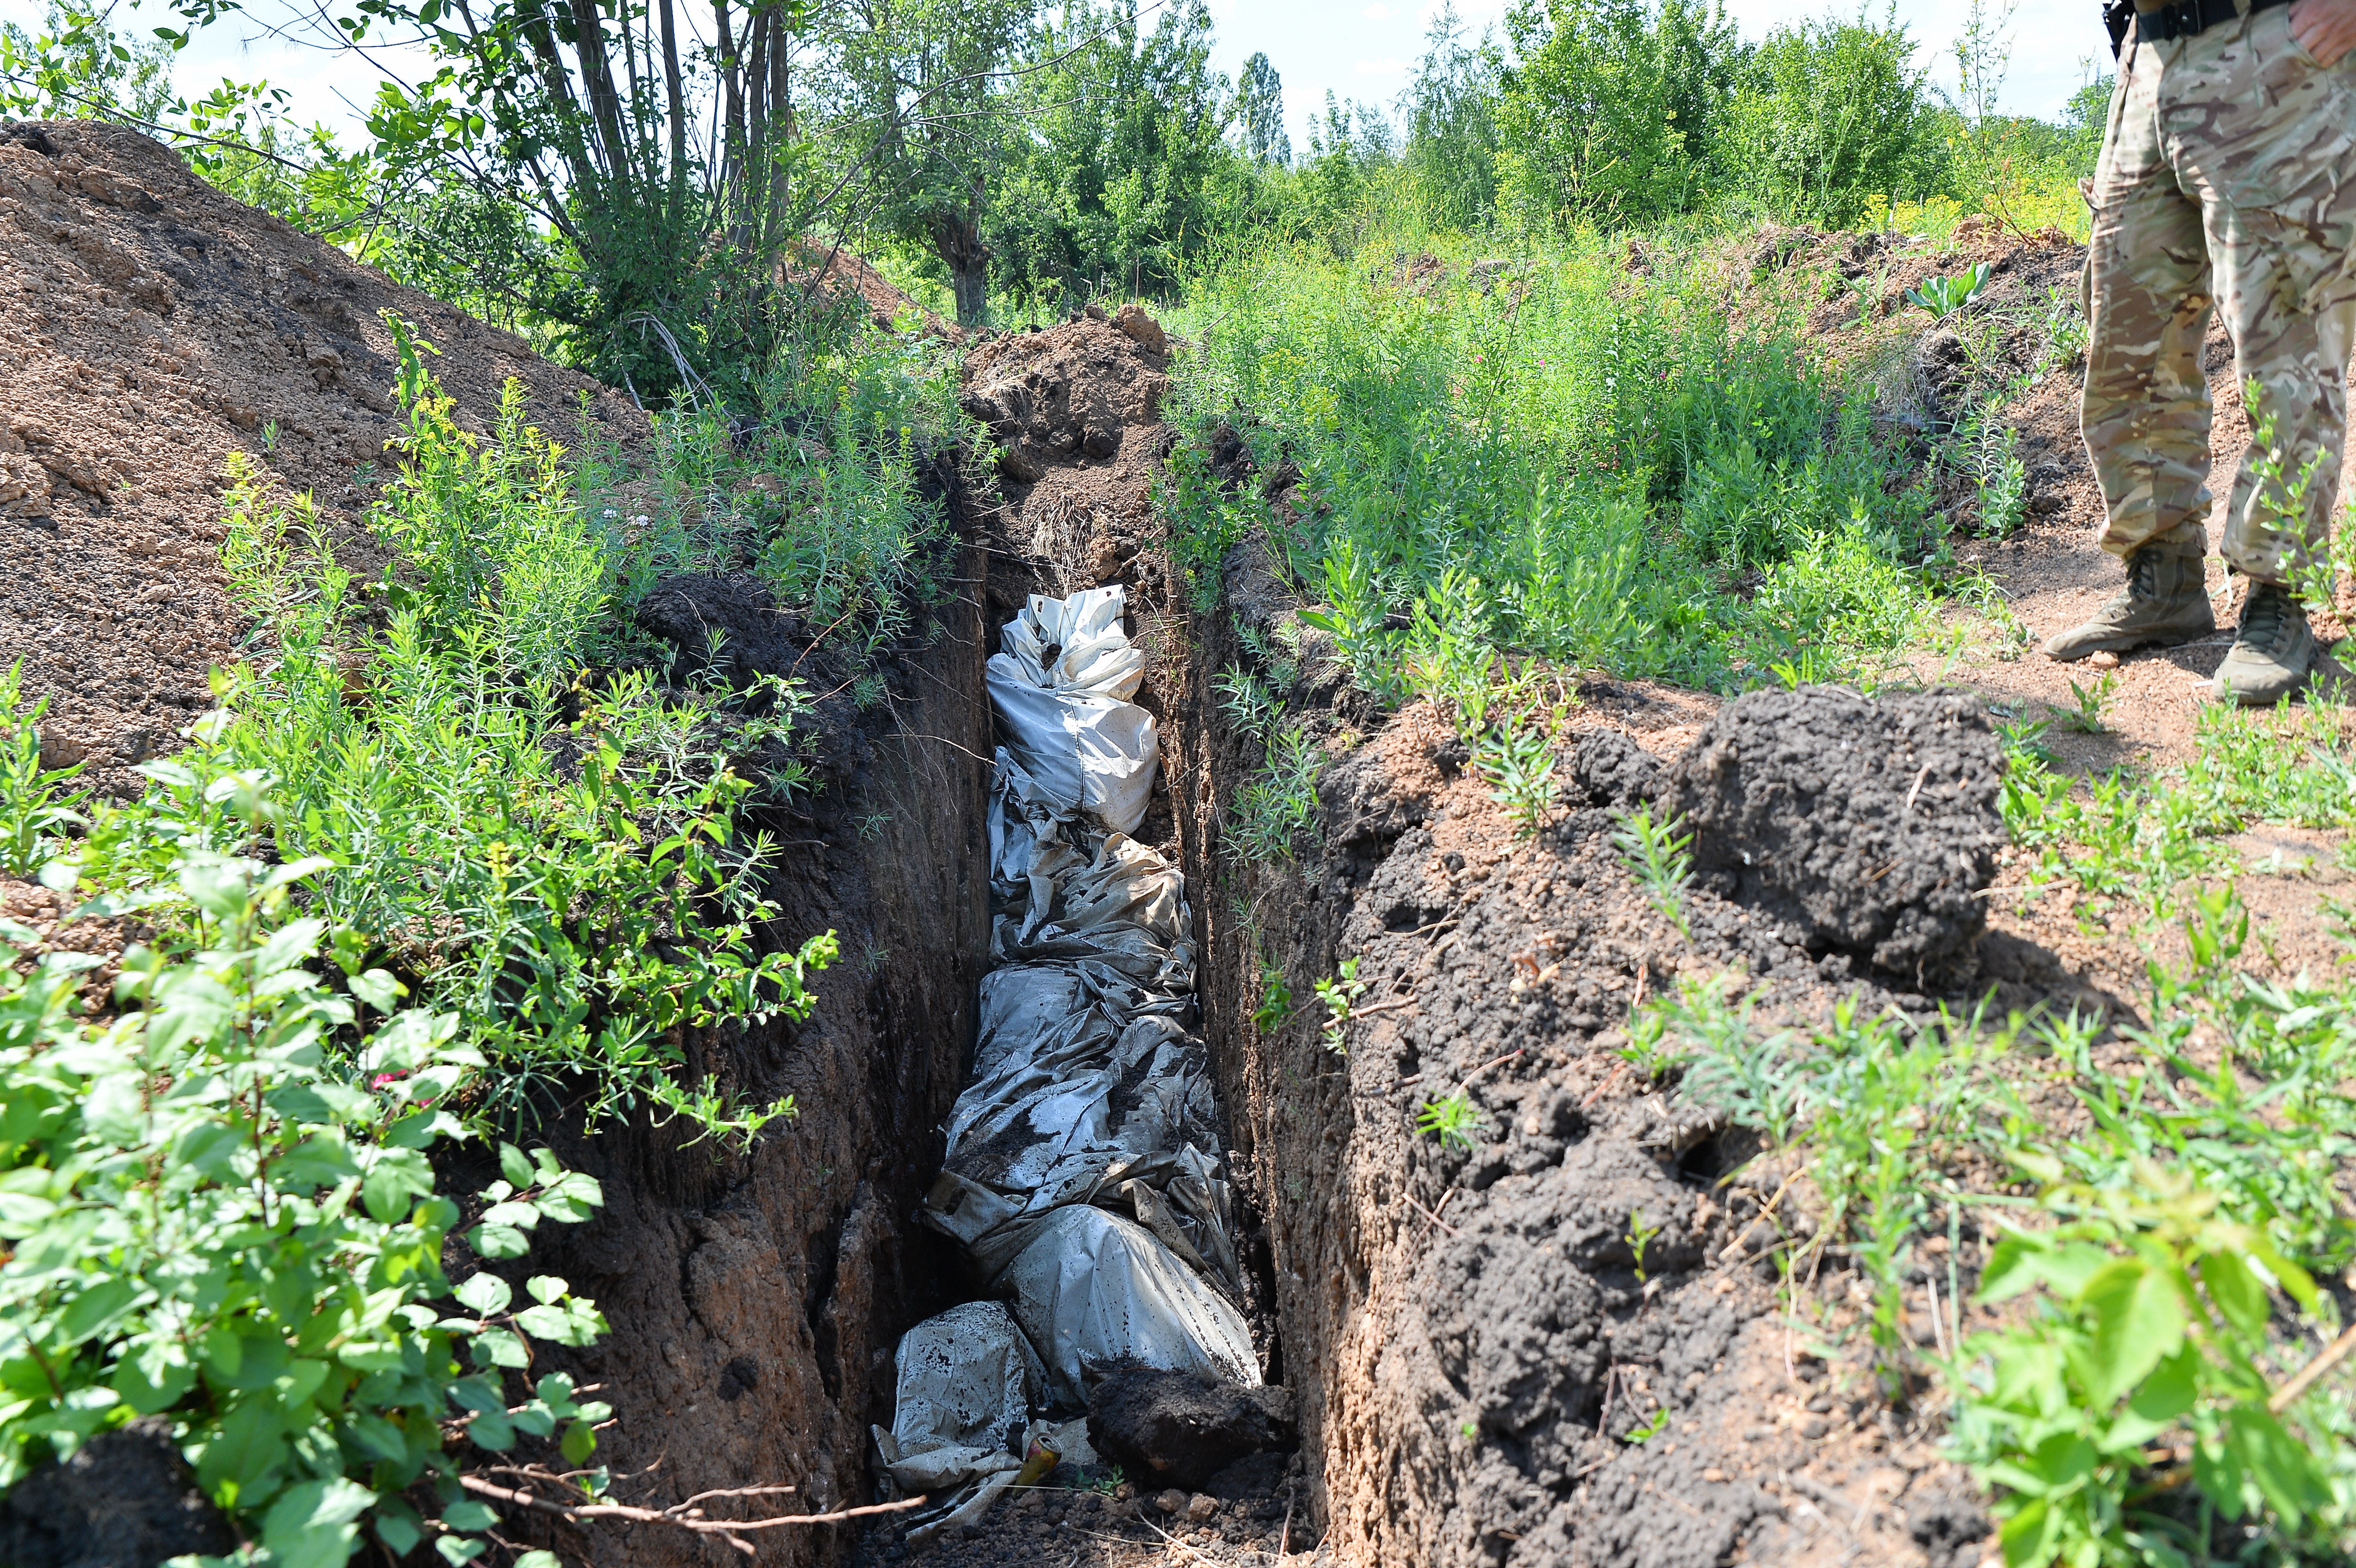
(1358, 48)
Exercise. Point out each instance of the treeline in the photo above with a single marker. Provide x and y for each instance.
(630, 182)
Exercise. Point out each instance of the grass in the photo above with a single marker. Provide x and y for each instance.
(2135, 1389)
(2138, 838)
(1591, 467)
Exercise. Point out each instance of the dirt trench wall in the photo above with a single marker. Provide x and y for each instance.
(755, 1301)
(1549, 1343)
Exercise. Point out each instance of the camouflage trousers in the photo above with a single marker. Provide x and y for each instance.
(2228, 181)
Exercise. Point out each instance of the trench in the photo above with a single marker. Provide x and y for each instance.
(1110, 1320)
(762, 1304)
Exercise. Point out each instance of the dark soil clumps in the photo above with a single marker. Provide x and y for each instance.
(1180, 1429)
(126, 1499)
(1611, 770)
(1874, 826)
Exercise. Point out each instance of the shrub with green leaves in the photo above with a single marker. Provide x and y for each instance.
(218, 1208)
(2153, 1318)
(576, 892)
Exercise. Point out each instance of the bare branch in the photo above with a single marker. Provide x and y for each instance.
(686, 1515)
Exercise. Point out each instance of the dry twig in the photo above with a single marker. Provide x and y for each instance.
(687, 1516)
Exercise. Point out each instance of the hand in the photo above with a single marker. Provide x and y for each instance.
(2327, 27)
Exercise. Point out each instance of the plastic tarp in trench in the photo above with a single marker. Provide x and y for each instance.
(1082, 1174)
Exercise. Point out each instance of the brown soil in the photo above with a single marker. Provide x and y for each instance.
(156, 328)
(151, 327)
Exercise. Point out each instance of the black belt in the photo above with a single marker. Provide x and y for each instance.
(2187, 17)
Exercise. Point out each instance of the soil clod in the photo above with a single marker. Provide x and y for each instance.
(1873, 825)
(1181, 1429)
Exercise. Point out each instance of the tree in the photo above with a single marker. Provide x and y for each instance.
(77, 67)
(1259, 111)
(1452, 115)
(1608, 109)
(1831, 117)
(1123, 167)
(921, 94)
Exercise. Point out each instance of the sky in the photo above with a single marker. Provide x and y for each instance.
(1361, 49)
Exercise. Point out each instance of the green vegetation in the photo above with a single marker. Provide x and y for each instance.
(1280, 801)
(527, 867)
(1339, 997)
(1452, 1119)
(1568, 462)
(459, 850)
(2135, 840)
(625, 191)
(1661, 860)
(2155, 1294)
(216, 1208)
(1519, 768)
(575, 907)
(1943, 296)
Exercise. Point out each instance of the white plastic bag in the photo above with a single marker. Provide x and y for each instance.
(966, 1381)
(1092, 1289)
(1061, 686)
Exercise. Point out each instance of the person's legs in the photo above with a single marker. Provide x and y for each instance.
(2145, 411)
(2273, 164)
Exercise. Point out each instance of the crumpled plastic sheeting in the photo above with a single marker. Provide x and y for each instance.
(1092, 1289)
(1077, 1177)
(966, 1381)
(962, 1423)
(1061, 686)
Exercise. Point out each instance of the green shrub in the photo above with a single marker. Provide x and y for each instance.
(576, 892)
(1829, 121)
(216, 1208)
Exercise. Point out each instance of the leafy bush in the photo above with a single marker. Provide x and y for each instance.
(1829, 121)
(217, 1210)
(1608, 108)
(575, 893)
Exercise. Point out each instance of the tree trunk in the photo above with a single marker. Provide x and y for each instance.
(675, 101)
(957, 239)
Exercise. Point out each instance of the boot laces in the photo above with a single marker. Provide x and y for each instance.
(2268, 618)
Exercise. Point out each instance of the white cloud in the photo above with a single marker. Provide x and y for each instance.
(1379, 12)
(1379, 68)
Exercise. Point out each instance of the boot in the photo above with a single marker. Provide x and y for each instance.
(2165, 601)
(2272, 653)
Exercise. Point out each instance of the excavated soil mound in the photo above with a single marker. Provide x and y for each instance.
(151, 326)
(1075, 410)
(1872, 825)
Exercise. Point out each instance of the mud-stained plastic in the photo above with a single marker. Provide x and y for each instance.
(1061, 686)
(962, 1431)
(1092, 1288)
(1082, 1174)
(967, 1380)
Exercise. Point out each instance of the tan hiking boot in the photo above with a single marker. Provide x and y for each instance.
(2272, 653)
(2165, 601)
